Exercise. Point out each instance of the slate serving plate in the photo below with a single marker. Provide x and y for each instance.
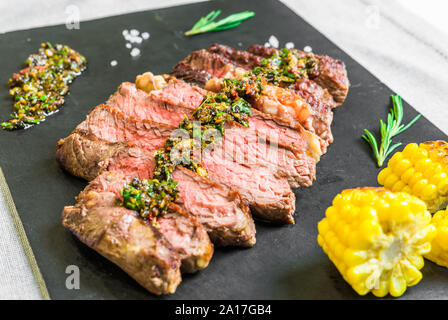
(286, 262)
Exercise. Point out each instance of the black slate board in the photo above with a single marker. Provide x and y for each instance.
(286, 262)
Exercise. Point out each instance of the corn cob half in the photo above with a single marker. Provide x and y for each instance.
(420, 170)
(376, 239)
(439, 245)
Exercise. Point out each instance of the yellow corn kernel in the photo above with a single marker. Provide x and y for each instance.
(420, 170)
(439, 245)
(379, 249)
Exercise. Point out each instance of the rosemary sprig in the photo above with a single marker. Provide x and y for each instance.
(208, 23)
(388, 130)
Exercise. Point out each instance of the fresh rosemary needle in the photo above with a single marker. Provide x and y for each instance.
(388, 130)
(208, 23)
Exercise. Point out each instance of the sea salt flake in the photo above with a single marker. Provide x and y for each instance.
(113, 63)
(273, 41)
(125, 32)
(308, 49)
(267, 45)
(135, 32)
(135, 52)
(145, 35)
(128, 45)
(289, 45)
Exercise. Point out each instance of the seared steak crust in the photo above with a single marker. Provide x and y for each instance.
(117, 234)
(187, 236)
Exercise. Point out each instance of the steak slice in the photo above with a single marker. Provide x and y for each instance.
(285, 104)
(118, 235)
(141, 105)
(187, 236)
(331, 74)
(269, 197)
(300, 171)
(179, 98)
(109, 124)
(221, 211)
(81, 155)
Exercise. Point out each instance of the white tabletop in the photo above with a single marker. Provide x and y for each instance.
(402, 42)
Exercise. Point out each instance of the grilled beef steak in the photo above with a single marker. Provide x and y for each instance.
(186, 235)
(220, 210)
(117, 234)
(251, 167)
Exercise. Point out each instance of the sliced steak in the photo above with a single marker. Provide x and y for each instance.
(268, 202)
(285, 104)
(117, 234)
(111, 125)
(331, 74)
(181, 98)
(81, 155)
(220, 210)
(269, 197)
(187, 236)
(163, 106)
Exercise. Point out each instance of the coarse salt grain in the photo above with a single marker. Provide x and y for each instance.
(267, 45)
(113, 63)
(125, 32)
(128, 45)
(135, 52)
(289, 45)
(308, 49)
(273, 41)
(135, 32)
(145, 35)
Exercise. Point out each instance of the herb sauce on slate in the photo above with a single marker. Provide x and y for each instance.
(39, 89)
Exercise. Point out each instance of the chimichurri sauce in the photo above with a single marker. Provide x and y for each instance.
(38, 90)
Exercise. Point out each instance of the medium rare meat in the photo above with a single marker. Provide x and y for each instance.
(269, 197)
(109, 124)
(330, 74)
(187, 236)
(117, 234)
(170, 104)
(265, 206)
(285, 104)
(248, 145)
(221, 211)
(169, 108)
(248, 155)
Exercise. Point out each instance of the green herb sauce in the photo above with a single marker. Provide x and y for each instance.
(284, 67)
(150, 198)
(39, 89)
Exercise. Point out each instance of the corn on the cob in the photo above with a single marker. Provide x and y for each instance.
(376, 239)
(439, 245)
(420, 170)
